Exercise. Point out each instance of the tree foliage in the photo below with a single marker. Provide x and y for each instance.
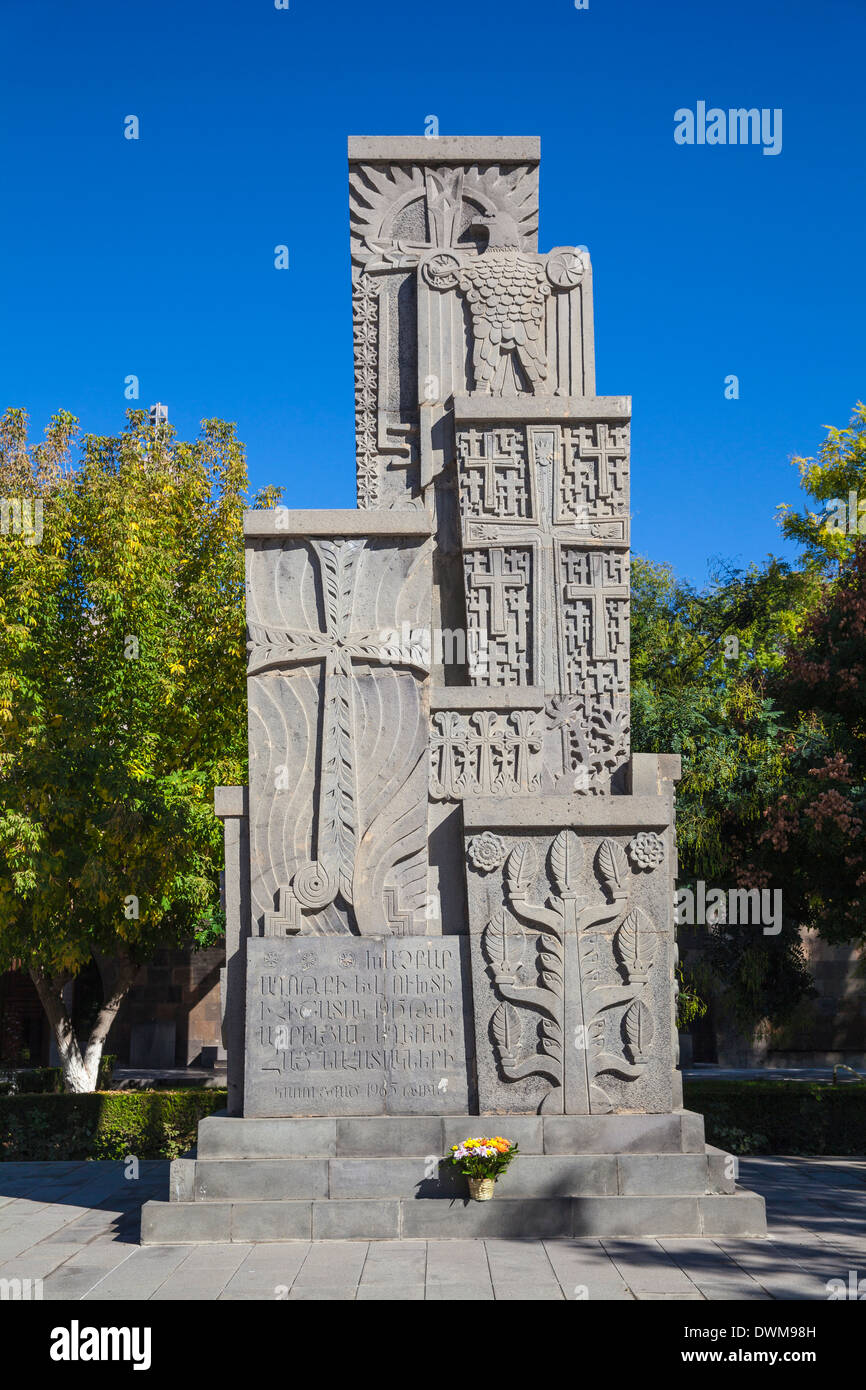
(121, 689)
(759, 682)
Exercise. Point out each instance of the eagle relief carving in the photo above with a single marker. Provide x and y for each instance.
(506, 293)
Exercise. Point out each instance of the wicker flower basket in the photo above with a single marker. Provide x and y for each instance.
(482, 1189)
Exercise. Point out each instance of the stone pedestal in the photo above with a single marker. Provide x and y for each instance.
(378, 1178)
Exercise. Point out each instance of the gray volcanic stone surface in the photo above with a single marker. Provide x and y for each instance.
(356, 1025)
(439, 725)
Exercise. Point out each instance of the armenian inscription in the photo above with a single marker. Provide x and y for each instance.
(358, 1026)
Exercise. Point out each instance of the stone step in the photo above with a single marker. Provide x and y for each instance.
(369, 1136)
(170, 1223)
(531, 1176)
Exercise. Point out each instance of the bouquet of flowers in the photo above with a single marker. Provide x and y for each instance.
(482, 1161)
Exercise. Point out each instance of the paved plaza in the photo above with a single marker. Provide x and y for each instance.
(75, 1226)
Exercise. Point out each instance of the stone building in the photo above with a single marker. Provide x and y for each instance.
(169, 1019)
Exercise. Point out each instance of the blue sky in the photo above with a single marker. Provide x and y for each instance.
(155, 257)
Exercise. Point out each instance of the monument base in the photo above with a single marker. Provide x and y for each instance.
(379, 1178)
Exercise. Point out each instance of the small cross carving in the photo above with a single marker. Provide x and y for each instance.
(495, 493)
(497, 581)
(596, 594)
(607, 453)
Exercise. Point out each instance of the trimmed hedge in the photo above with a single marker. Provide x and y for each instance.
(103, 1124)
(781, 1117)
(39, 1081)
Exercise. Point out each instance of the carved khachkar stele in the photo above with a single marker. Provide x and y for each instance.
(544, 522)
(450, 884)
(338, 716)
(399, 794)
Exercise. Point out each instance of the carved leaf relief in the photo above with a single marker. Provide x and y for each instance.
(506, 1028)
(613, 866)
(566, 857)
(520, 869)
(634, 946)
(638, 1028)
(550, 958)
(503, 942)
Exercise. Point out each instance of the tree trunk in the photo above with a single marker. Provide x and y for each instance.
(80, 1066)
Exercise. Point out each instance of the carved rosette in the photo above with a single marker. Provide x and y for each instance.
(647, 851)
(486, 852)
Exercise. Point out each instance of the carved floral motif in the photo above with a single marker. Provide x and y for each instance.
(542, 998)
(486, 852)
(594, 741)
(647, 851)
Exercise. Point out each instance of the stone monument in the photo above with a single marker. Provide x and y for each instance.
(449, 884)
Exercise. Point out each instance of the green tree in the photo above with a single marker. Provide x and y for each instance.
(121, 700)
(702, 664)
(760, 683)
(836, 480)
(814, 837)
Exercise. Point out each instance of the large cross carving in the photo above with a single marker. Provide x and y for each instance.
(336, 648)
(547, 534)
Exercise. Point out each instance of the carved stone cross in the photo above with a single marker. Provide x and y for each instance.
(606, 452)
(550, 535)
(497, 580)
(498, 493)
(596, 593)
(336, 647)
(522, 743)
(449, 752)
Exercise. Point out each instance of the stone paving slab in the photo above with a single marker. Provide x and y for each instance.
(816, 1212)
(398, 1293)
(404, 1262)
(464, 1293)
(646, 1267)
(204, 1274)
